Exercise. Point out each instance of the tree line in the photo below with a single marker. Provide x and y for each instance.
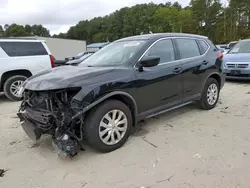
(220, 22)
(15, 30)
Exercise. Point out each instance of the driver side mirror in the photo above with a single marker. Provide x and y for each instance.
(149, 61)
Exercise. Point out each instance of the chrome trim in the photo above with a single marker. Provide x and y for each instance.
(169, 38)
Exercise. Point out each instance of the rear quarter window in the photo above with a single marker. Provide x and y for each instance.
(203, 46)
(14, 49)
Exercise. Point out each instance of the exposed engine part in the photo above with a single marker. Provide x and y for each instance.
(65, 146)
(50, 112)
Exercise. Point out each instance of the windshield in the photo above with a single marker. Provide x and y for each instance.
(241, 47)
(114, 54)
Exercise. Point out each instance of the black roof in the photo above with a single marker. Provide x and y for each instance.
(161, 35)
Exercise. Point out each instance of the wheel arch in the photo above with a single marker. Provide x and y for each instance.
(124, 97)
(8, 74)
(217, 77)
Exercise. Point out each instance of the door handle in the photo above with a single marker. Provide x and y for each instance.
(177, 70)
(205, 62)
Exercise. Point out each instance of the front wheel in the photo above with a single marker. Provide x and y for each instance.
(107, 126)
(12, 86)
(210, 95)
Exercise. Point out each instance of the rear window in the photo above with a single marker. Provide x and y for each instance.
(14, 49)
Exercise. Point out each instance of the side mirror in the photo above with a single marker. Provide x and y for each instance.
(149, 61)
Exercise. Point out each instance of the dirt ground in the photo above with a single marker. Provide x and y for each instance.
(190, 148)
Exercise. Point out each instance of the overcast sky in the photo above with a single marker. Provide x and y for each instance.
(59, 15)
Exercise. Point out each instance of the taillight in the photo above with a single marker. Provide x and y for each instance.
(52, 61)
(220, 55)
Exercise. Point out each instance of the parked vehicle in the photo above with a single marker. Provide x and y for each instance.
(78, 61)
(20, 59)
(129, 80)
(222, 48)
(78, 56)
(236, 63)
(231, 45)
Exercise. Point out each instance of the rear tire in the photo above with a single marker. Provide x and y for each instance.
(108, 126)
(210, 94)
(11, 85)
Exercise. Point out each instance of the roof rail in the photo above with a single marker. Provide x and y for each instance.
(18, 38)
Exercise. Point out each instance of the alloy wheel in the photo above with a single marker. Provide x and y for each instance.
(113, 127)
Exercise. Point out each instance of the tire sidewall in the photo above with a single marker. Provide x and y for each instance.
(210, 82)
(93, 123)
(7, 85)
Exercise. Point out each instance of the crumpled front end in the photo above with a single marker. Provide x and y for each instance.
(51, 112)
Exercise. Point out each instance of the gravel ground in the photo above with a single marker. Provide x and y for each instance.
(185, 148)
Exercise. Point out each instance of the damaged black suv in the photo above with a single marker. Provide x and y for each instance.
(131, 79)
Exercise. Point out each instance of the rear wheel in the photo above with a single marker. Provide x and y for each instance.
(210, 95)
(12, 86)
(107, 127)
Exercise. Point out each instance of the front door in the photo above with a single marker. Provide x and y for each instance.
(160, 86)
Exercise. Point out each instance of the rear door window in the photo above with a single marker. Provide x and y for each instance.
(14, 49)
(188, 48)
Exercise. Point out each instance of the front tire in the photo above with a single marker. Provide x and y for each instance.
(108, 126)
(210, 95)
(12, 85)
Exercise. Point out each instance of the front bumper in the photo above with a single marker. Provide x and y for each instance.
(244, 74)
(29, 128)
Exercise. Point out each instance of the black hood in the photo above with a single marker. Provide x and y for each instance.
(64, 77)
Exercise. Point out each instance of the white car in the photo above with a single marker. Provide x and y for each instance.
(20, 59)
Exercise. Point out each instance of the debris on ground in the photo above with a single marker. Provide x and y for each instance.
(143, 138)
(35, 145)
(14, 142)
(189, 185)
(197, 155)
(65, 176)
(156, 162)
(168, 179)
(83, 184)
(223, 112)
(248, 92)
(245, 153)
(2, 171)
(169, 125)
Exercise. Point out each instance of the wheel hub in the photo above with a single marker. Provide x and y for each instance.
(113, 127)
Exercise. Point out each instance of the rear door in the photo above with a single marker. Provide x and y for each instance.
(194, 62)
(160, 87)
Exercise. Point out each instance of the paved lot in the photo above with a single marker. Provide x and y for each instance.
(192, 149)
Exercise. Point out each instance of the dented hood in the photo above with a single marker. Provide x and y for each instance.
(64, 77)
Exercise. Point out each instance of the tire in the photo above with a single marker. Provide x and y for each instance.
(205, 102)
(93, 127)
(7, 87)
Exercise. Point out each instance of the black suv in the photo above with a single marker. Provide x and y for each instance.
(131, 79)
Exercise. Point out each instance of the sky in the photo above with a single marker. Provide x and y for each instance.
(59, 15)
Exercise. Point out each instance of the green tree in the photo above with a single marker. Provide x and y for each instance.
(39, 30)
(1, 31)
(15, 30)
